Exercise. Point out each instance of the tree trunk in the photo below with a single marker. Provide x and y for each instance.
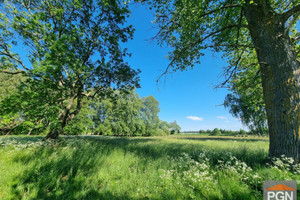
(53, 134)
(280, 78)
(66, 115)
(56, 131)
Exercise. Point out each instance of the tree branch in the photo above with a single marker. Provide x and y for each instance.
(285, 16)
(221, 8)
(230, 72)
(13, 73)
(229, 45)
(14, 58)
(211, 11)
(240, 22)
(292, 22)
(197, 42)
(214, 33)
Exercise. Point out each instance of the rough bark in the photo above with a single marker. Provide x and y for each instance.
(280, 78)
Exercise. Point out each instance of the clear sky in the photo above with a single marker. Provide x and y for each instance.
(188, 97)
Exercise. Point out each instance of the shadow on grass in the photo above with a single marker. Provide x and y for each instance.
(58, 170)
(156, 148)
(52, 177)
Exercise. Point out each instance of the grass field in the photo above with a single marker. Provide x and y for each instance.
(172, 167)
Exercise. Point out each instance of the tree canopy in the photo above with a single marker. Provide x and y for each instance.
(72, 50)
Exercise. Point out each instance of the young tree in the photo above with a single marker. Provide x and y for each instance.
(237, 27)
(73, 51)
(149, 114)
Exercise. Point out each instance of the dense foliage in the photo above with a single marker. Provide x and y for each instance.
(9, 84)
(124, 114)
(72, 51)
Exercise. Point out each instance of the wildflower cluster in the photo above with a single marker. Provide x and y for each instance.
(235, 167)
(21, 145)
(18, 143)
(194, 174)
(285, 164)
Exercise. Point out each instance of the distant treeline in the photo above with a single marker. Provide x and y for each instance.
(217, 131)
(124, 114)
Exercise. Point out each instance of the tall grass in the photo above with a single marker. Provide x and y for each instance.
(136, 168)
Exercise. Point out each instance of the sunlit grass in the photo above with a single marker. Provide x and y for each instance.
(173, 167)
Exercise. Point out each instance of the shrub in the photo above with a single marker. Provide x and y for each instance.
(216, 131)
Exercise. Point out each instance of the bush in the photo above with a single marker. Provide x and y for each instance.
(158, 132)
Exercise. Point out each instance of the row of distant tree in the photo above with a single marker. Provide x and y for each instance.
(123, 114)
(217, 131)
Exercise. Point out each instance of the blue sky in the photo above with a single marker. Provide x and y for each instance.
(188, 97)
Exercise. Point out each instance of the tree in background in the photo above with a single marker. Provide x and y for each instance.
(123, 113)
(174, 127)
(216, 131)
(235, 28)
(164, 126)
(73, 51)
(246, 98)
(149, 112)
(119, 115)
(9, 83)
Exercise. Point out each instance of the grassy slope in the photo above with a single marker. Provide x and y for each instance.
(174, 167)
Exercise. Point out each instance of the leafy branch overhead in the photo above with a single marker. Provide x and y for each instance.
(190, 27)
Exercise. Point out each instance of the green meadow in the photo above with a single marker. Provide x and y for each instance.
(169, 167)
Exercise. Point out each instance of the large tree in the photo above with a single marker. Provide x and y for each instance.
(68, 49)
(235, 27)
